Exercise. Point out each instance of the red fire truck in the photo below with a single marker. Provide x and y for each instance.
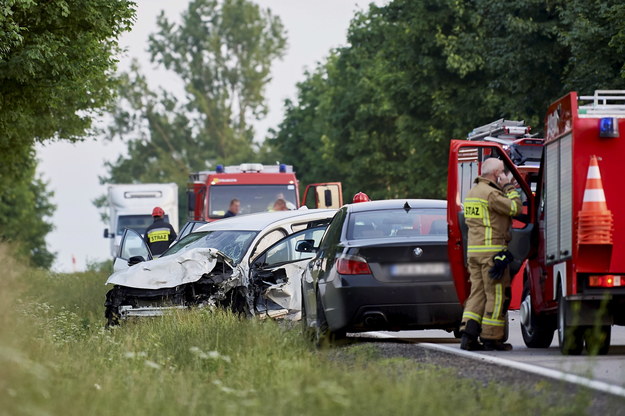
(525, 150)
(574, 279)
(257, 187)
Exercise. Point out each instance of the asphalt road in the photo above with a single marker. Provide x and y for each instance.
(608, 370)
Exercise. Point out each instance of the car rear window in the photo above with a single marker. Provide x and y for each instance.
(390, 223)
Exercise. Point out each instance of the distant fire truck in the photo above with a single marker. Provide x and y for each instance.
(525, 150)
(574, 279)
(257, 187)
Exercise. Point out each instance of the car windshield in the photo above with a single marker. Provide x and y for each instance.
(253, 198)
(397, 223)
(136, 223)
(233, 244)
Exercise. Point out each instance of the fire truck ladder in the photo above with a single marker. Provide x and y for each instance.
(605, 103)
(513, 136)
(500, 129)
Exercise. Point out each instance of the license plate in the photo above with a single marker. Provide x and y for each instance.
(418, 269)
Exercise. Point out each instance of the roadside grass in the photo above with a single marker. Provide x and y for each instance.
(56, 358)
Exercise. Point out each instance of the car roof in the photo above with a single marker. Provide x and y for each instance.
(397, 204)
(260, 221)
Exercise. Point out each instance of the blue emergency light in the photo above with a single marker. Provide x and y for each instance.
(282, 168)
(608, 127)
(219, 169)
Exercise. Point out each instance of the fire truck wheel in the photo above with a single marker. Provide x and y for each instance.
(598, 339)
(537, 331)
(571, 338)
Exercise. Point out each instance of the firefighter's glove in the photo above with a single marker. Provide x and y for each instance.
(501, 260)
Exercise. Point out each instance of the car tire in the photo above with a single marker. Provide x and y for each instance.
(307, 331)
(597, 339)
(236, 302)
(111, 308)
(324, 337)
(538, 330)
(112, 317)
(570, 338)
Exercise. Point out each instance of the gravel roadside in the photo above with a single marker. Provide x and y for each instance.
(485, 373)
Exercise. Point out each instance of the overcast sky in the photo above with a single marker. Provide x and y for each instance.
(314, 27)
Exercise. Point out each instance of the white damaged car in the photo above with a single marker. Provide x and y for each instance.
(251, 264)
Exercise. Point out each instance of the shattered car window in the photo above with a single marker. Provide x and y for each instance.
(233, 244)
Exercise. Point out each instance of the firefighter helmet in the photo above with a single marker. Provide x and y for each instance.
(158, 212)
(360, 197)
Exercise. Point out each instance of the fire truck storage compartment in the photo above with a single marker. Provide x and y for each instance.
(558, 200)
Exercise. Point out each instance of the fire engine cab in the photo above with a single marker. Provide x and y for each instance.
(257, 187)
(574, 276)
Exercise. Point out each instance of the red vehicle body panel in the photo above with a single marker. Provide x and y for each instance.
(456, 249)
(564, 118)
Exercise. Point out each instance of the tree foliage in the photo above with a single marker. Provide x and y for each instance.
(25, 210)
(222, 52)
(56, 62)
(56, 66)
(379, 113)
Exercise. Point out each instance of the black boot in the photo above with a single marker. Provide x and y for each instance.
(470, 334)
(469, 343)
(492, 345)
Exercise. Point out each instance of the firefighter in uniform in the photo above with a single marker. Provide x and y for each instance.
(160, 234)
(488, 211)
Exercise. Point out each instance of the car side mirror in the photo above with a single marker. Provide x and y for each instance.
(135, 260)
(106, 233)
(305, 246)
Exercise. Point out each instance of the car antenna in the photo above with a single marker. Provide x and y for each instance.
(407, 206)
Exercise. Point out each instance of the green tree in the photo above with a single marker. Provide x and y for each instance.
(594, 35)
(415, 74)
(27, 196)
(56, 66)
(222, 51)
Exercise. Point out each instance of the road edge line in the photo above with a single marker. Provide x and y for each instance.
(534, 369)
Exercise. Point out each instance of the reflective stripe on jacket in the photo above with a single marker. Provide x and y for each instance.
(159, 236)
(488, 212)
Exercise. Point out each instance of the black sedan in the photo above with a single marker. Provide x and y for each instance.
(381, 265)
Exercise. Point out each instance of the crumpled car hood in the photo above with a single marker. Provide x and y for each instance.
(169, 271)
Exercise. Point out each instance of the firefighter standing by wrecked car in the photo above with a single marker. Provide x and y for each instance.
(488, 211)
(160, 234)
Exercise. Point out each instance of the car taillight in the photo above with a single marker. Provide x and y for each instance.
(352, 266)
(608, 280)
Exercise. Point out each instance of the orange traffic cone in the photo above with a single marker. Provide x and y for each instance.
(595, 222)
